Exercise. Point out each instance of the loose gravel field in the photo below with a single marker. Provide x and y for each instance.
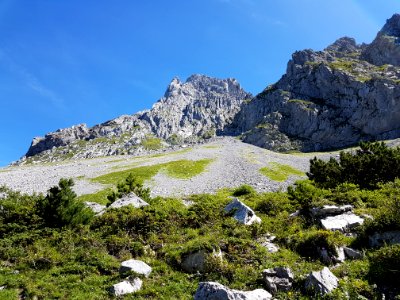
(234, 163)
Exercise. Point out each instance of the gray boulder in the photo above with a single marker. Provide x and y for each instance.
(126, 287)
(129, 199)
(137, 266)
(216, 291)
(352, 253)
(95, 207)
(321, 282)
(278, 279)
(241, 212)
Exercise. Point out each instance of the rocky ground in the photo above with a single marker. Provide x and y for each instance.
(234, 163)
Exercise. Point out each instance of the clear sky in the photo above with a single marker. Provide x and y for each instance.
(65, 62)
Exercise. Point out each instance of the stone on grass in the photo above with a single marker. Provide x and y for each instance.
(95, 207)
(352, 253)
(216, 291)
(344, 222)
(136, 266)
(196, 261)
(126, 287)
(267, 242)
(130, 199)
(278, 279)
(322, 282)
(241, 212)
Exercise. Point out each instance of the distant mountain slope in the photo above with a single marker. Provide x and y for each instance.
(330, 99)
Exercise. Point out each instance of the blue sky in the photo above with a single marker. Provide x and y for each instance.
(69, 62)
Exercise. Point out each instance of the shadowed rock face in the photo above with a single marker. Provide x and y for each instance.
(330, 99)
(385, 49)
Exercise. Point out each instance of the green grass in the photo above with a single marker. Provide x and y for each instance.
(182, 169)
(99, 197)
(280, 172)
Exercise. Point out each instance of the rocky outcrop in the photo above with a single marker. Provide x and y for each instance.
(200, 107)
(385, 49)
(329, 99)
(241, 212)
(278, 279)
(343, 222)
(197, 109)
(216, 291)
(379, 239)
(95, 207)
(321, 282)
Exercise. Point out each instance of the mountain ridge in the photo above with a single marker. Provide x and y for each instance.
(326, 100)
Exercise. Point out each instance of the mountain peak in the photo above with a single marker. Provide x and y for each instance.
(392, 26)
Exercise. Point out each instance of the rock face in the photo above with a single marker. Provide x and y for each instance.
(190, 111)
(200, 107)
(136, 266)
(385, 49)
(322, 282)
(216, 291)
(241, 212)
(330, 99)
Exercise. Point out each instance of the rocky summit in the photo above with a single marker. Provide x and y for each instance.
(190, 111)
(327, 99)
(330, 99)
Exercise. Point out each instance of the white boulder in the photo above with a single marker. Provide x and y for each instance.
(343, 222)
(137, 266)
(129, 199)
(241, 212)
(126, 287)
(216, 291)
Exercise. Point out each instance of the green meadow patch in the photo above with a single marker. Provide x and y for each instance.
(181, 169)
(280, 172)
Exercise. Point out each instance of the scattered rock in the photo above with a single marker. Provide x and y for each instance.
(352, 253)
(126, 287)
(196, 262)
(388, 237)
(267, 242)
(136, 266)
(216, 291)
(95, 207)
(3, 195)
(322, 282)
(278, 279)
(130, 199)
(344, 222)
(241, 212)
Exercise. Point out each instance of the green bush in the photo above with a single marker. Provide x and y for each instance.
(242, 190)
(370, 165)
(385, 266)
(131, 184)
(61, 208)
